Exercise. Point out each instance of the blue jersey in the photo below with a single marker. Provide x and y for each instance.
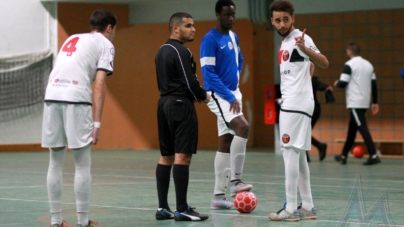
(221, 62)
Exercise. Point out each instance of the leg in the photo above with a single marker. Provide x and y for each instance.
(163, 173)
(304, 184)
(55, 182)
(352, 129)
(82, 182)
(237, 154)
(364, 131)
(181, 179)
(222, 166)
(238, 146)
(291, 157)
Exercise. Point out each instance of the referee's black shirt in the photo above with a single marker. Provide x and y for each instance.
(176, 72)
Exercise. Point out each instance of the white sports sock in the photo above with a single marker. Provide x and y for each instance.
(82, 183)
(237, 156)
(222, 172)
(54, 183)
(291, 160)
(304, 183)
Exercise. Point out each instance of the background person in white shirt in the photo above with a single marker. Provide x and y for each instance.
(359, 80)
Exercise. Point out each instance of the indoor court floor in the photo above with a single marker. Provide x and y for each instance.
(124, 190)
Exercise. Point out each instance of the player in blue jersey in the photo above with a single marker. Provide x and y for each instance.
(222, 62)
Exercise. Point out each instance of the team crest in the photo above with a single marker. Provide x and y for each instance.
(285, 55)
(112, 51)
(285, 138)
(230, 45)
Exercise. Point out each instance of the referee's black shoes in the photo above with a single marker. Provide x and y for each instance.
(372, 161)
(190, 215)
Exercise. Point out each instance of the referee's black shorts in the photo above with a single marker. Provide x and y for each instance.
(177, 125)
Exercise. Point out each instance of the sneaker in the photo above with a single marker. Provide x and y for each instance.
(64, 224)
(90, 224)
(239, 187)
(190, 215)
(164, 214)
(372, 161)
(284, 215)
(307, 214)
(322, 149)
(341, 159)
(222, 204)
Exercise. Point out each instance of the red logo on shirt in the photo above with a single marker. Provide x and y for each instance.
(56, 80)
(285, 55)
(75, 82)
(285, 138)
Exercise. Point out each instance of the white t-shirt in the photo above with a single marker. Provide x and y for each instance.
(78, 60)
(296, 85)
(358, 73)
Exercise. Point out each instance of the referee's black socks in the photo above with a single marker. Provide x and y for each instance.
(181, 179)
(163, 182)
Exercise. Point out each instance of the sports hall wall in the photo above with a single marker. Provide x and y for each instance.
(129, 118)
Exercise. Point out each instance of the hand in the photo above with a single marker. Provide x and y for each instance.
(335, 83)
(329, 88)
(375, 108)
(300, 41)
(207, 98)
(235, 107)
(96, 135)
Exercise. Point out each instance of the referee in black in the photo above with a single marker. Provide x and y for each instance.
(359, 80)
(177, 121)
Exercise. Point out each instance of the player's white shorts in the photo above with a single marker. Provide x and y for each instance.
(220, 107)
(295, 124)
(70, 124)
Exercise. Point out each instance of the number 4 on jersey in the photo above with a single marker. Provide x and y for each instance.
(70, 46)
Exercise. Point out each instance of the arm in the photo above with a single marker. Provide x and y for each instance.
(311, 51)
(208, 65)
(344, 78)
(99, 91)
(375, 106)
(186, 65)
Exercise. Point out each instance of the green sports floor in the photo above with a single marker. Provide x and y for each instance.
(124, 190)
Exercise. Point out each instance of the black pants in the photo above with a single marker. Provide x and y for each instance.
(358, 122)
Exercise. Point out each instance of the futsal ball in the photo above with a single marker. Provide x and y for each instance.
(358, 151)
(245, 201)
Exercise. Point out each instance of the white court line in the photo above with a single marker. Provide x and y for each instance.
(150, 209)
(389, 189)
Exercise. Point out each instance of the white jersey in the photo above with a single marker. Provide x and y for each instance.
(80, 57)
(358, 73)
(296, 85)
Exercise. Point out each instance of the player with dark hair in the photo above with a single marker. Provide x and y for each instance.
(295, 56)
(359, 80)
(68, 118)
(177, 121)
(222, 62)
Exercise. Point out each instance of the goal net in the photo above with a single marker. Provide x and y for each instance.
(22, 84)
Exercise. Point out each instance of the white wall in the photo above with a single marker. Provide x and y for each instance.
(27, 26)
(24, 27)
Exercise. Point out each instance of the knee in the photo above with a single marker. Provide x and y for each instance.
(166, 160)
(183, 159)
(243, 130)
(56, 149)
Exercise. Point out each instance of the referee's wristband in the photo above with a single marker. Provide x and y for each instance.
(97, 124)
